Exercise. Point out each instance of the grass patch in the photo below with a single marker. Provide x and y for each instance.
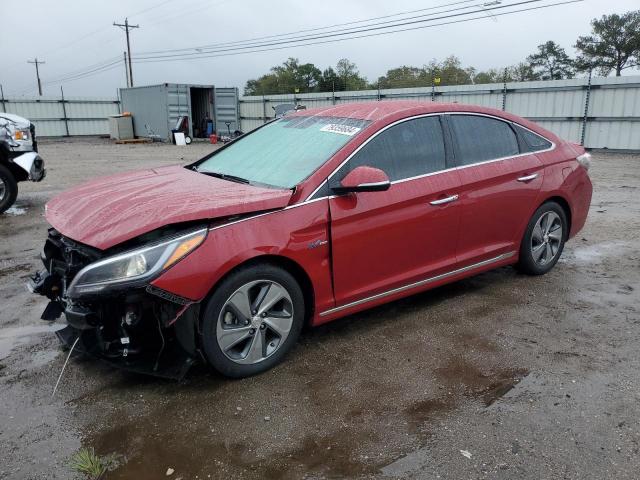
(87, 462)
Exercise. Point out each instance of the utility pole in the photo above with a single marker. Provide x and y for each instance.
(126, 72)
(37, 62)
(126, 27)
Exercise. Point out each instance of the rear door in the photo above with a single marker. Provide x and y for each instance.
(384, 240)
(500, 183)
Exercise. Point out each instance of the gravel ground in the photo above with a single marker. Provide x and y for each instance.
(498, 376)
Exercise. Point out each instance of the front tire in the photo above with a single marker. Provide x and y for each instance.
(8, 188)
(543, 240)
(252, 320)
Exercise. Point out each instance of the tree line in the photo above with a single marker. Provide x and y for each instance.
(612, 47)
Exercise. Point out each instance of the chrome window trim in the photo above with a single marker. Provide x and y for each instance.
(446, 170)
(362, 145)
(553, 146)
(419, 283)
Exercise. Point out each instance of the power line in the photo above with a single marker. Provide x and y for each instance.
(340, 32)
(36, 62)
(114, 62)
(194, 9)
(126, 27)
(306, 41)
(153, 7)
(70, 78)
(59, 48)
(109, 62)
(309, 29)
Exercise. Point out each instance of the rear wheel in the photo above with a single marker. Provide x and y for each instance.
(252, 320)
(8, 188)
(543, 240)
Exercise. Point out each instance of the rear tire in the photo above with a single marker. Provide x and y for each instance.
(8, 188)
(543, 240)
(252, 320)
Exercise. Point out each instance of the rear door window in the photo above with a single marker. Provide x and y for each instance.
(478, 139)
(409, 149)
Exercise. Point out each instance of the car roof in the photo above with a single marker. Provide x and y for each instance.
(385, 111)
(373, 110)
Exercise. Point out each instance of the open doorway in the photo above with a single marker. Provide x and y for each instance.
(202, 111)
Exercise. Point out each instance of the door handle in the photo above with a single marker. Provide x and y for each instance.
(442, 201)
(528, 178)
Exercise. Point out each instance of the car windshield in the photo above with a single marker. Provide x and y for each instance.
(284, 152)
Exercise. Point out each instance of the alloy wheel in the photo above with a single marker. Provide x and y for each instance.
(254, 322)
(3, 189)
(546, 238)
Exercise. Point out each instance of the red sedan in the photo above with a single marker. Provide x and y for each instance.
(311, 217)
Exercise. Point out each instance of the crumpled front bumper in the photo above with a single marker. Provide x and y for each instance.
(136, 331)
(174, 366)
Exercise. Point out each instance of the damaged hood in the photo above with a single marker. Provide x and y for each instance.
(18, 121)
(111, 210)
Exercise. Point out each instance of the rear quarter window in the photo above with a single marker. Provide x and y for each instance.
(478, 139)
(533, 141)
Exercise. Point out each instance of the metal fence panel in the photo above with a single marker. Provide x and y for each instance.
(612, 112)
(610, 118)
(55, 117)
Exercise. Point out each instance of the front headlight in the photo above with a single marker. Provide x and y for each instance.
(21, 135)
(134, 267)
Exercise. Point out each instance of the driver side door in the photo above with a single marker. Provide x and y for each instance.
(385, 240)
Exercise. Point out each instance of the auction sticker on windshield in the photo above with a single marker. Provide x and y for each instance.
(341, 129)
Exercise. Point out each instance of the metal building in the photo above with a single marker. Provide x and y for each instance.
(156, 108)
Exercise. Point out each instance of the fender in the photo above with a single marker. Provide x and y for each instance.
(299, 233)
(33, 164)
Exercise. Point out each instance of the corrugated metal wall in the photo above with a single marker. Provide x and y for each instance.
(179, 104)
(613, 113)
(613, 110)
(55, 118)
(149, 108)
(159, 107)
(226, 107)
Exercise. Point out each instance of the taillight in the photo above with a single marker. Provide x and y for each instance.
(584, 160)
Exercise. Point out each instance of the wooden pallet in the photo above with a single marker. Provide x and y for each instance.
(134, 140)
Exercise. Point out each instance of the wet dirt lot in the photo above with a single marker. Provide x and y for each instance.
(498, 376)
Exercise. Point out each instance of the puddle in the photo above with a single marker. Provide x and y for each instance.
(426, 410)
(593, 253)
(502, 384)
(11, 338)
(487, 387)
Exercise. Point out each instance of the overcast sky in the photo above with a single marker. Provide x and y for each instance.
(72, 36)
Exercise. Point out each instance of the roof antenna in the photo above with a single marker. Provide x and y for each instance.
(65, 365)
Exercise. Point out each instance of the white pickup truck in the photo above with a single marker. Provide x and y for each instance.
(19, 159)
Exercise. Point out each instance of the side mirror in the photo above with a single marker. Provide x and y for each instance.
(363, 179)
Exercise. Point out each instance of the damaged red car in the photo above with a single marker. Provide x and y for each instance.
(309, 218)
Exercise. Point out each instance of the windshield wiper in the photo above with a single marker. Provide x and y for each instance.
(225, 176)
